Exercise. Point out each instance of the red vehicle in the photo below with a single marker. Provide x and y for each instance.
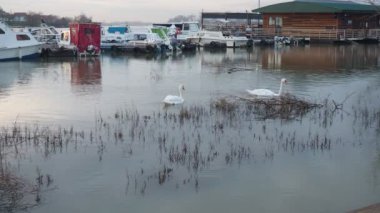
(86, 37)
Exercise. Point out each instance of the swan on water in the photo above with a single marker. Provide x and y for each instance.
(173, 99)
(268, 93)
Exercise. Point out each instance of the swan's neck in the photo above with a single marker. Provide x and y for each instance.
(180, 92)
(280, 91)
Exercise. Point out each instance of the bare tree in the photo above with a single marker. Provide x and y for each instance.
(82, 18)
(182, 18)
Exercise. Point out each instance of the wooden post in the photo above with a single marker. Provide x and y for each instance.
(202, 19)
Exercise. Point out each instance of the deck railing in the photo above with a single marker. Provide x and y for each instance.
(315, 34)
(319, 34)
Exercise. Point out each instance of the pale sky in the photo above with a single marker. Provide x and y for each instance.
(131, 10)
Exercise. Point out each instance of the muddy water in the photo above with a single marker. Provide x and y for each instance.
(126, 152)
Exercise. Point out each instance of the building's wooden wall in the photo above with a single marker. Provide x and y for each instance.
(322, 20)
(303, 20)
(359, 21)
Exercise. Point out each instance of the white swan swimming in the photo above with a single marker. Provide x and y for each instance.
(268, 93)
(173, 99)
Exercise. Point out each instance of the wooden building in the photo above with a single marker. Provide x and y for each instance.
(319, 19)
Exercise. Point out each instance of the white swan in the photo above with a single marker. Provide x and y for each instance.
(266, 92)
(173, 99)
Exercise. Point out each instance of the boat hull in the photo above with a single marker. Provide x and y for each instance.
(20, 53)
(228, 42)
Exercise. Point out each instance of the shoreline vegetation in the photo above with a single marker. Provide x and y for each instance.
(188, 138)
(33, 19)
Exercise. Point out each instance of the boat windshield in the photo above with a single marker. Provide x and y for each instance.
(52, 29)
(22, 37)
(117, 30)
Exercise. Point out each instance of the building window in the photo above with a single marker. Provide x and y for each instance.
(140, 37)
(186, 27)
(271, 21)
(2, 31)
(349, 22)
(65, 36)
(278, 21)
(22, 37)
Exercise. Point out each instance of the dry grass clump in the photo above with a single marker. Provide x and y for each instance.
(12, 193)
(284, 107)
(224, 105)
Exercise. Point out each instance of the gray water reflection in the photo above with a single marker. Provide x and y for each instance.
(128, 153)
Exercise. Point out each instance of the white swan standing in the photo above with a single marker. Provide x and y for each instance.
(266, 92)
(173, 99)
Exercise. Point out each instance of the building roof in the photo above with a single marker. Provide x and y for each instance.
(312, 6)
(229, 15)
(20, 14)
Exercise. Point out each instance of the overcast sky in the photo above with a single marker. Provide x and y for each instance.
(131, 10)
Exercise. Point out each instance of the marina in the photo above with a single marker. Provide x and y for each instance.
(275, 109)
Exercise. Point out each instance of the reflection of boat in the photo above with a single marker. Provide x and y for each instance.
(86, 71)
(9, 73)
(17, 45)
(228, 61)
(13, 74)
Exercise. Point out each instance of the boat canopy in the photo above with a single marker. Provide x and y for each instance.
(120, 30)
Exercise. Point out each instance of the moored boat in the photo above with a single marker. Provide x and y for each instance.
(145, 42)
(114, 37)
(17, 45)
(216, 39)
(86, 38)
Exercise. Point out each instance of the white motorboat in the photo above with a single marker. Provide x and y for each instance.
(114, 37)
(144, 41)
(217, 39)
(182, 30)
(17, 45)
(145, 38)
(45, 34)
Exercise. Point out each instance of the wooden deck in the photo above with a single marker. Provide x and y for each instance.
(320, 35)
(302, 33)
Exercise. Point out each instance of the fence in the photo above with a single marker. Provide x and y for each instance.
(313, 34)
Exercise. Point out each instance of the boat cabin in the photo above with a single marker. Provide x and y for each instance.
(86, 37)
(182, 30)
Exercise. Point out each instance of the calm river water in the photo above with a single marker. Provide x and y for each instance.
(131, 154)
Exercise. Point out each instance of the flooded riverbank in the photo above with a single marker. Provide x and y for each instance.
(97, 129)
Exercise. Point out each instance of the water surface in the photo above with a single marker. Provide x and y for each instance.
(239, 163)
